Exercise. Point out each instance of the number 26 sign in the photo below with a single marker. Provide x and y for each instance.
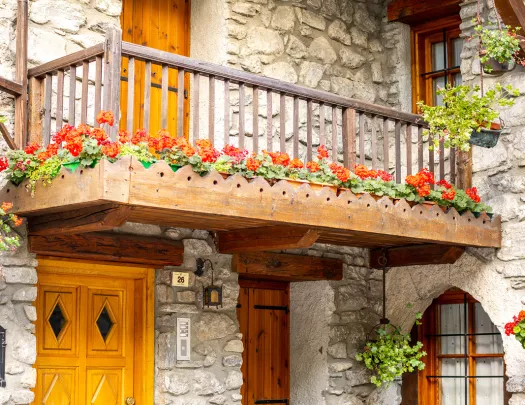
(180, 279)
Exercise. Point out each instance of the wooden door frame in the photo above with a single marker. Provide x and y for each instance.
(144, 359)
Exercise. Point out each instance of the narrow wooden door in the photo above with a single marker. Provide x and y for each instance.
(163, 25)
(263, 315)
(88, 335)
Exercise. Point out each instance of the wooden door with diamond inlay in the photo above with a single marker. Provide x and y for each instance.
(86, 339)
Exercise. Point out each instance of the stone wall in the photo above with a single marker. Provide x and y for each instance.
(213, 375)
(17, 314)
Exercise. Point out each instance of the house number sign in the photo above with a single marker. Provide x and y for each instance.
(3, 344)
(180, 279)
(183, 339)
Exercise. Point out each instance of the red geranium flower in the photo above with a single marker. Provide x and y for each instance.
(111, 150)
(31, 148)
(140, 136)
(106, 117)
(313, 167)
(296, 164)
(124, 136)
(448, 194)
(100, 135)
(4, 164)
(322, 152)
(252, 164)
(473, 194)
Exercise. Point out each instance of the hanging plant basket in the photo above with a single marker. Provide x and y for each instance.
(486, 138)
(495, 68)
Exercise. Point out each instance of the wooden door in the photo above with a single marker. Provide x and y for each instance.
(264, 322)
(90, 337)
(163, 25)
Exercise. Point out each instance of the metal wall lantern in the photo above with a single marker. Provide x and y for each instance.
(212, 295)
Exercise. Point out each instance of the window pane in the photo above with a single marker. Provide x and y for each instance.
(489, 390)
(457, 47)
(437, 83)
(458, 79)
(453, 389)
(452, 322)
(483, 324)
(438, 56)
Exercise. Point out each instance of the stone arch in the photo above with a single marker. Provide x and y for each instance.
(419, 285)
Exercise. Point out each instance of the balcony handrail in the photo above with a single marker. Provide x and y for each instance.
(146, 54)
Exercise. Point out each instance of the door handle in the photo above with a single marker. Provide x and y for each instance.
(130, 401)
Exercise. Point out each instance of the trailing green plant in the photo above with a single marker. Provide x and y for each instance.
(499, 43)
(464, 110)
(391, 354)
(9, 239)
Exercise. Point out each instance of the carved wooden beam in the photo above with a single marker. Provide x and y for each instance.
(92, 219)
(418, 11)
(512, 12)
(417, 255)
(266, 238)
(110, 247)
(287, 267)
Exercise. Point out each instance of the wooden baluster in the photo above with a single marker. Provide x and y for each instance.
(398, 150)
(386, 146)
(180, 104)
(147, 95)
(211, 112)
(322, 130)
(131, 95)
(362, 157)
(72, 94)
(242, 115)
(255, 119)
(282, 127)
(452, 159)
(112, 78)
(196, 80)
(420, 146)
(36, 106)
(226, 111)
(48, 91)
(164, 97)
(431, 163)
(85, 94)
(441, 160)
(349, 129)
(334, 134)
(98, 88)
(374, 141)
(60, 100)
(409, 148)
(309, 129)
(296, 127)
(269, 119)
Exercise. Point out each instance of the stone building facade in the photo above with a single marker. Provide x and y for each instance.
(341, 46)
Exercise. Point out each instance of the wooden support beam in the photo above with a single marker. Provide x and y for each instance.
(92, 219)
(287, 267)
(112, 247)
(22, 21)
(266, 238)
(418, 11)
(512, 12)
(417, 255)
(7, 137)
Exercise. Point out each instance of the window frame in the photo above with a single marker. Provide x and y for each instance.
(422, 38)
(429, 389)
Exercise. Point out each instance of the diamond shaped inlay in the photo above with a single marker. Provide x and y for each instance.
(105, 322)
(58, 319)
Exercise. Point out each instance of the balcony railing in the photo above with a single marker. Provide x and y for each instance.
(142, 86)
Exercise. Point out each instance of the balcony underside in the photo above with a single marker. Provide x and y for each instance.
(110, 194)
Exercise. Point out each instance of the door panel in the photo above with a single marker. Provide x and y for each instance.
(264, 322)
(86, 335)
(163, 25)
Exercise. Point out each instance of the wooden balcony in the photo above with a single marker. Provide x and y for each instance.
(143, 87)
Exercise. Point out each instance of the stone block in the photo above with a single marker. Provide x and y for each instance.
(175, 382)
(166, 350)
(27, 294)
(112, 8)
(283, 19)
(313, 20)
(295, 48)
(30, 312)
(350, 58)
(246, 9)
(196, 248)
(338, 32)
(281, 71)
(321, 50)
(64, 15)
(234, 380)
(234, 346)
(513, 242)
(206, 383)
(19, 275)
(233, 360)
(264, 41)
(213, 326)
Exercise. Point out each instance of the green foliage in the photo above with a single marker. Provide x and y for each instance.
(46, 171)
(502, 44)
(464, 110)
(140, 151)
(519, 332)
(9, 239)
(91, 153)
(391, 354)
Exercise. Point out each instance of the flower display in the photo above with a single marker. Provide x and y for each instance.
(9, 239)
(83, 146)
(517, 328)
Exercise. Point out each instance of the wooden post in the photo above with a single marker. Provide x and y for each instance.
(36, 108)
(21, 74)
(113, 61)
(464, 177)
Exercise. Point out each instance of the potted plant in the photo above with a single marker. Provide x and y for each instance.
(517, 328)
(391, 354)
(466, 116)
(500, 47)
